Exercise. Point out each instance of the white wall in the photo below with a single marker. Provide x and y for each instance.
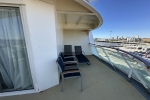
(77, 38)
(12, 1)
(59, 34)
(42, 31)
(91, 39)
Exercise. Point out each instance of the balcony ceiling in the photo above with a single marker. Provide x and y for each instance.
(76, 14)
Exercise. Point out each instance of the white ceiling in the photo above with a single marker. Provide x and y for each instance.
(74, 15)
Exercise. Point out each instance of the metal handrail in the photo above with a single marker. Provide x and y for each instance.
(146, 62)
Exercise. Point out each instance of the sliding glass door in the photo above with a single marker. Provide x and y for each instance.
(14, 65)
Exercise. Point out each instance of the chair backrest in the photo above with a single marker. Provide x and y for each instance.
(60, 64)
(67, 49)
(78, 50)
(62, 56)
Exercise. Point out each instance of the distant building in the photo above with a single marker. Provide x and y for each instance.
(112, 38)
(117, 38)
(133, 39)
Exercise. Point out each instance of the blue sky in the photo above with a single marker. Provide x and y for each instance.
(123, 18)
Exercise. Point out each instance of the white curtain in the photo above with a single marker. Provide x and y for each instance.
(14, 65)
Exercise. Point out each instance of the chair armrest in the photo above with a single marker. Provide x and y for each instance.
(70, 57)
(83, 52)
(73, 71)
(70, 62)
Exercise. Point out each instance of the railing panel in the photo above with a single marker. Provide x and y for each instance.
(102, 55)
(140, 69)
(126, 62)
(118, 61)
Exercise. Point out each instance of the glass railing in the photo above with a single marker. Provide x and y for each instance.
(117, 60)
(125, 62)
(102, 54)
(94, 51)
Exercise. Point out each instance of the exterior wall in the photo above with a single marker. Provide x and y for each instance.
(59, 34)
(42, 32)
(77, 38)
(91, 38)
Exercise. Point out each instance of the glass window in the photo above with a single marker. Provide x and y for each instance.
(14, 65)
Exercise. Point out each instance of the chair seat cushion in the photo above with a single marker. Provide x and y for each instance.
(76, 74)
(69, 59)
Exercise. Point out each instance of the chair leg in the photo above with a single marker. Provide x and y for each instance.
(81, 84)
(0, 87)
(62, 84)
(89, 63)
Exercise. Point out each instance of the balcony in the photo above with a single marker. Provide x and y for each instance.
(99, 83)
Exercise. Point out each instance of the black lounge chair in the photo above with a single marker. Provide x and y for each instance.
(67, 58)
(66, 74)
(69, 62)
(68, 50)
(80, 56)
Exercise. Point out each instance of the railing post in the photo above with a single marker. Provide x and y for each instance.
(131, 70)
(108, 58)
(130, 74)
(98, 53)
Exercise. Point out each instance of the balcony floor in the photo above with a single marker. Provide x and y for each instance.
(99, 83)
